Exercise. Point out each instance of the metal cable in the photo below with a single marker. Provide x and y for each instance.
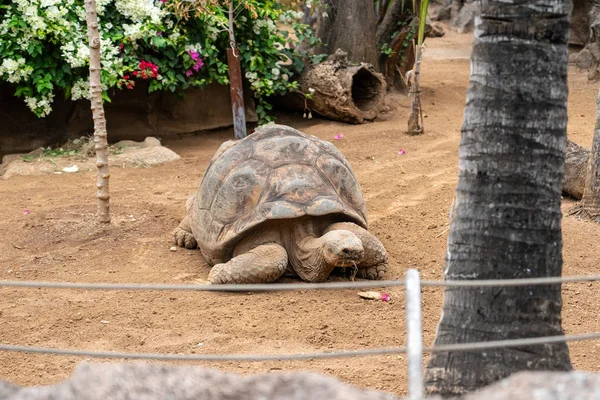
(301, 356)
(258, 287)
(253, 287)
(549, 280)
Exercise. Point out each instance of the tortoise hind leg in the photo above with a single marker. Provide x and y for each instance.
(263, 264)
(183, 236)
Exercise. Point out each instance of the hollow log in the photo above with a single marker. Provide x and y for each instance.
(339, 90)
(576, 160)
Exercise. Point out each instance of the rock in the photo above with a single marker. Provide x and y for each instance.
(444, 13)
(143, 157)
(154, 382)
(148, 142)
(542, 386)
(135, 155)
(151, 142)
(465, 16)
(436, 29)
(151, 381)
(576, 159)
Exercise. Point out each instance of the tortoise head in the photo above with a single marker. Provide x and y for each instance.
(341, 248)
(337, 248)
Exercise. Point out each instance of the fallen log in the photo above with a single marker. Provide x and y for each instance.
(339, 90)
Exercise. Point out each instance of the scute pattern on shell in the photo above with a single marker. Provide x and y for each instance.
(276, 173)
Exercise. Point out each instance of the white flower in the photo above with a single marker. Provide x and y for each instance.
(275, 72)
(193, 47)
(41, 106)
(15, 70)
(80, 89)
(139, 10)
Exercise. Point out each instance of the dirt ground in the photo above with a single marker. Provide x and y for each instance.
(408, 198)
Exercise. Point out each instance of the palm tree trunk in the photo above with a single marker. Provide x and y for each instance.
(507, 222)
(100, 135)
(591, 192)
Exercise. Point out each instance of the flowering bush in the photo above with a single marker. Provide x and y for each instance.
(44, 49)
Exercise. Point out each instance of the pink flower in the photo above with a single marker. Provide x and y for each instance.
(194, 54)
(25, 212)
(159, 33)
(385, 297)
(189, 72)
(163, 1)
(339, 137)
(401, 152)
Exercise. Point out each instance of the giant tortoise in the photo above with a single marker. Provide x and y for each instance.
(280, 201)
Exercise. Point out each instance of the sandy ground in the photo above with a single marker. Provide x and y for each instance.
(408, 199)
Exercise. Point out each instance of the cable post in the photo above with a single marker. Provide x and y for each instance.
(414, 339)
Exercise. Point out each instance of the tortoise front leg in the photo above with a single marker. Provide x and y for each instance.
(263, 264)
(375, 259)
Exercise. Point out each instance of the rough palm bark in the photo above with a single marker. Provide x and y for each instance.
(349, 25)
(507, 220)
(591, 193)
(100, 135)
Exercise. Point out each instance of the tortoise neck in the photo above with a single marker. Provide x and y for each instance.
(308, 258)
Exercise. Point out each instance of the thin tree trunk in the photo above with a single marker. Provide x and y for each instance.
(100, 136)
(591, 192)
(349, 25)
(507, 222)
(415, 119)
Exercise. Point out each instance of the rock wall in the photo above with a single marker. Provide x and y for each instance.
(132, 114)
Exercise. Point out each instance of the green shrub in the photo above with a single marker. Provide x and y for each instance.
(44, 49)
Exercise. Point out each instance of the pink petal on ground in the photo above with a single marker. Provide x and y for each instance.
(401, 152)
(25, 212)
(337, 137)
(385, 297)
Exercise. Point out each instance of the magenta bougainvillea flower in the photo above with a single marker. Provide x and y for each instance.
(196, 67)
(339, 137)
(401, 152)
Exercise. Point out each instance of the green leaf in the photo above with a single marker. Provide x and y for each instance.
(158, 41)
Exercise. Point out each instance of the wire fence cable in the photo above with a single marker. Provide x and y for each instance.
(301, 356)
(257, 287)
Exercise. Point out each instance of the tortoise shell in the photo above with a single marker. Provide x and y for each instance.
(276, 173)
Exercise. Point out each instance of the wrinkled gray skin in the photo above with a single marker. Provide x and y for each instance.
(280, 202)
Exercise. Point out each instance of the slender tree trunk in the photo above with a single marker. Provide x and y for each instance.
(235, 81)
(415, 119)
(349, 25)
(507, 222)
(100, 136)
(591, 192)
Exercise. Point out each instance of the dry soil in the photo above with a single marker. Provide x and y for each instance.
(408, 199)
